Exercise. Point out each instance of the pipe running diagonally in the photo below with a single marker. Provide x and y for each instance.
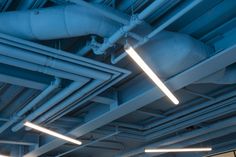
(213, 127)
(53, 101)
(30, 105)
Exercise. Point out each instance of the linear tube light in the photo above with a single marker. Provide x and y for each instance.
(4, 155)
(168, 150)
(52, 133)
(134, 55)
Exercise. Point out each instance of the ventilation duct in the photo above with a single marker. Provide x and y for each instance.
(56, 22)
(168, 53)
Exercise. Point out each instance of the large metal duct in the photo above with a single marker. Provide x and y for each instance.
(56, 22)
(168, 53)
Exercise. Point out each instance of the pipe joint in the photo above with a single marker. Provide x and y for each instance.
(135, 20)
(56, 83)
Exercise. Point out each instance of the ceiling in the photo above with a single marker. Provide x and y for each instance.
(63, 66)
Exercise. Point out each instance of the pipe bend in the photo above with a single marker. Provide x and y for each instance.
(56, 22)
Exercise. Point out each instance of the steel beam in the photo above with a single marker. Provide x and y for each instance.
(197, 72)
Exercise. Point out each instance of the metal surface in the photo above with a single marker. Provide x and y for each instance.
(63, 67)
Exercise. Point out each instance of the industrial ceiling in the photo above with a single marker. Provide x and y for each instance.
(64, 66)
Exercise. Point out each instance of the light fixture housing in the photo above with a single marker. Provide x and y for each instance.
(135, 56)
(168, 150)
(52, 133)
(4, 155)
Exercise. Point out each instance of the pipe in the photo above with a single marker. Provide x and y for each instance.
(191, 110)
(223, 59)
(65, 104)
(50, 103)
(4, 119)
(51, 62)
(17, 143)
(134, 21)
(158, 30)
(88, 144)
(190, 135)
(45, 93)
(196, 118)
(89, 97)
(105, 11)
(56, 22)
(29, 4)
(40, 68)
(30, 105)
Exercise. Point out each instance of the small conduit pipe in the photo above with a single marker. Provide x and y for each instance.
(213, 127)
(197, 118)
(77, 103)
(135, 21)
(148, 37)
(40, 68)
(50, 103)
(191, 110)
(29, 106)
(51, 62)
(74, 98)
(90, 143)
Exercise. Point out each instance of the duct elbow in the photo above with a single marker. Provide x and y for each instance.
(55, 23)
(170, 53)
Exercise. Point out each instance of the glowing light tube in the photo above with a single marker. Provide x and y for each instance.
(134, 55)
(52, 133)
(168, 150)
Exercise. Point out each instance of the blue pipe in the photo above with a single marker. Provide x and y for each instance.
(106, 12)
(158, 30)
(135, 21)
(191, 110)
(41, 69)
(190, 135)
(59, 54)
(92, 95)
(46, 92)
(29, 106)
(88, 144)
(65, 104)
(224, 110)
(51, 62)
(58, 22)
(50, 103)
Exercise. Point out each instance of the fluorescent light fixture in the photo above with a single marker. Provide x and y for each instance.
(134, 55)
(168, 150)
(4, 155)
(52, 133)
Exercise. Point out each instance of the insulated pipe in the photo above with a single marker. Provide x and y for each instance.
(56, 22)
(74, 98)
(42, 95)
(41, 69)
(51, 62)
(29, 106)
(50, 103)
(89, 97)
